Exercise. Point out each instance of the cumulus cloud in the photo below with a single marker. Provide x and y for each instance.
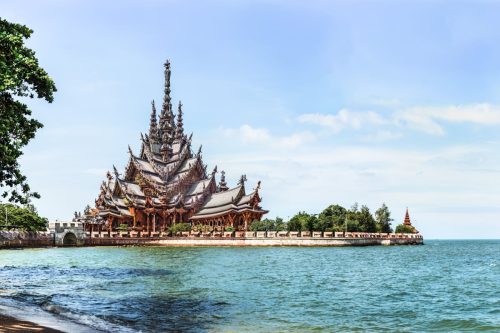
(343, 119)
(249, 134)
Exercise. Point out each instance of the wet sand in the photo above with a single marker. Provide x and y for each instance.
(12, 325)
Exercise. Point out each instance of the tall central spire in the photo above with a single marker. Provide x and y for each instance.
(167, 125)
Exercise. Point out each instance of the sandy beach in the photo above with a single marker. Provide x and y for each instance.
(9, 324)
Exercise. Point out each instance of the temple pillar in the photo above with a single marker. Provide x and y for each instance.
(147, 223)
(154, 222)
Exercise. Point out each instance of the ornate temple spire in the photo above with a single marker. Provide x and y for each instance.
(179, 130)
(222, 184)
(167, 125)
(115, 171)
(167, 105)
(242, 180)
(153, 126)
(407, 218)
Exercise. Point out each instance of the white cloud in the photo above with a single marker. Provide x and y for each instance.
(426, 180)
(426, 118)
(249, 134)
(343, 119)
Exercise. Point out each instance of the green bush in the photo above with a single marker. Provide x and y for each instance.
(405, 229)
(123, 227)
(179, 227)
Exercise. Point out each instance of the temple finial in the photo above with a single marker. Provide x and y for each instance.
(167, 124)
(130, 151)
(199, 151)
(242, 180)
(153, 126)
(222, 184)
(115, 171)
(214, 171)
(179, 130)
(407, 220)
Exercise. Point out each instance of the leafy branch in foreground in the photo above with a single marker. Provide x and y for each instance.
(21, 76)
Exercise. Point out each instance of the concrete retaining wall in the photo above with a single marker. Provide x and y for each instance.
(302, 241)
(17, 239)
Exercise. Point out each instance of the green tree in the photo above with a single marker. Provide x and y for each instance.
(21, 76)
(332, 218)
(24, 218)
(262, 225)
(383, 219)
(301, 222)
(352, 222)
(405, 229)
(366, 220)
(280, 224)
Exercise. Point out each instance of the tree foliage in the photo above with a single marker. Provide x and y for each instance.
(268, 224)
(20, 76)
(337, 219)
(24, 218)
(383, 219)
(179, 227)
(405, 229)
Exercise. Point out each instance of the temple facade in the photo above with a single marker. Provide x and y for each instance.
(167, 183)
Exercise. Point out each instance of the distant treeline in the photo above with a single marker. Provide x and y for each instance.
(334, 218)
(24, 218)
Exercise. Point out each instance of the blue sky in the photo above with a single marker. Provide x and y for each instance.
(325, 102)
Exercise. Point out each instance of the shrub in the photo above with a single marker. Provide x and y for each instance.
(179, 227)
(405, 229)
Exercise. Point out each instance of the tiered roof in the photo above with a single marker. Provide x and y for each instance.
(407, 218)
(167, 174)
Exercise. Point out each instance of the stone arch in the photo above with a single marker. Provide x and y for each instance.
(70, 239)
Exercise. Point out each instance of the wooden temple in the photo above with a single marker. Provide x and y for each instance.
(167, 183)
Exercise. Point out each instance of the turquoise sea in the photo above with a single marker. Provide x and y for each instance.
(442, 286)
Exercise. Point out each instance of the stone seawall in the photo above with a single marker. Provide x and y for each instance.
(17, 239)
(302, 241)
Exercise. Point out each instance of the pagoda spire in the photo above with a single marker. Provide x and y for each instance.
(222, 184)
(167, 125)
(242, 180)
(407, 218)
(179, 130)
(153, 126)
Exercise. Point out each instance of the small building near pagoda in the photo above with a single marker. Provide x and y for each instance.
(167, 183)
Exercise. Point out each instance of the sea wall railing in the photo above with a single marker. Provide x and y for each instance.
(254, 234)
